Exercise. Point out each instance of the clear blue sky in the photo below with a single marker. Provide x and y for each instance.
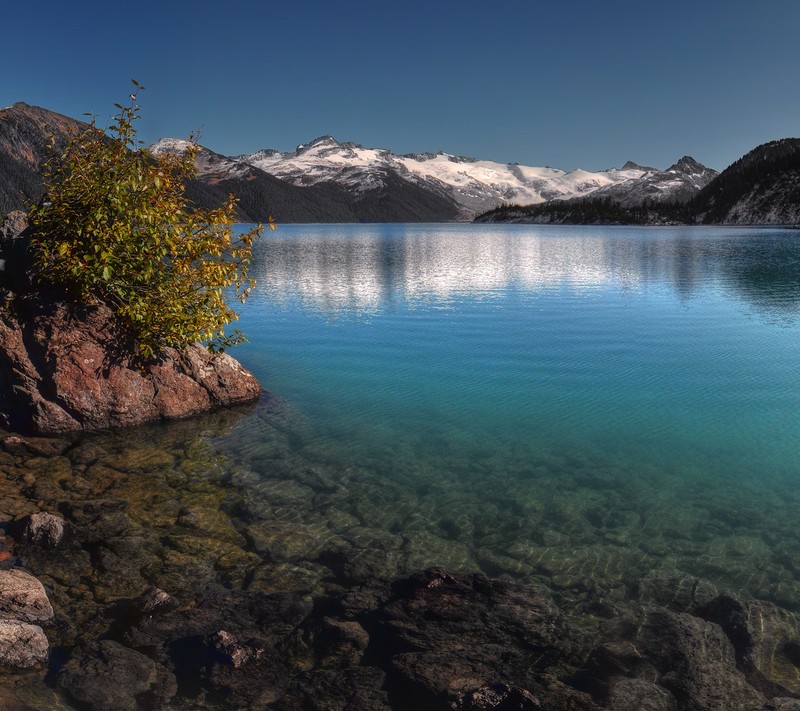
(569, 84)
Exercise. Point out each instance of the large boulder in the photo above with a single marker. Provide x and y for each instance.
(64, 366)
(108, 675)
(766, 639)
(22, 597)
(22, 645)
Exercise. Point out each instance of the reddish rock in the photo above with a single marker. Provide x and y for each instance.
(61, 369)
(63, 366)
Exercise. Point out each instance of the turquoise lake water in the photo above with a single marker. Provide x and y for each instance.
(574, 403)
(610, 415)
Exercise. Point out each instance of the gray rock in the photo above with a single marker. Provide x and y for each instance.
(22, 645)
(639, 694)
(44, 529)
(766, 638)
(696, 661)
(12, 226)
(156, 600)
(23, 597)
(109, 676)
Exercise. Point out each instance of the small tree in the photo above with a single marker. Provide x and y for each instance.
(117, 228)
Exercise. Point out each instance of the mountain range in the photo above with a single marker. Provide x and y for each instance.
(329, 181)
(473, 185)
(761, 188)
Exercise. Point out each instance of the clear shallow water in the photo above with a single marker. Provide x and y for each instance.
(609, 413)
(532, 401)
(678, 344)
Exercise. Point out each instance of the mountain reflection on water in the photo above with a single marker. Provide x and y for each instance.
(335, 270)
(543, 400)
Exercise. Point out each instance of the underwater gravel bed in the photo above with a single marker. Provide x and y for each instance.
(291, 580)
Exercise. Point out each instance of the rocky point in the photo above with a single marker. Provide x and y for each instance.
(63, 366)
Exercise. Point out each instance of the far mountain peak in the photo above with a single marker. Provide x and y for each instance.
(318, 142)
(687, 164)
(630, 165)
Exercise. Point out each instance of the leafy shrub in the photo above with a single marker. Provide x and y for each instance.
(115, 227)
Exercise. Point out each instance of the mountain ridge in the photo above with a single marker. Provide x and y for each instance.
(325, 180)
(760, 188)
(474, 184)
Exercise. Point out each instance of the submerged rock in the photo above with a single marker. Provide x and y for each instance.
(246, 675)
(110, 676)
(358, 688)
(344, 643)
(22, 645)
(229, 651)
(766, 639)
(42, 446)
(155, 601)
(65, 366)
(452, 641)
(44, 529)
(491, 698)
(696, 662)
(22, 597)
(640, 694)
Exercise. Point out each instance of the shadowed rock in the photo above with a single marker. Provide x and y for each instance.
(358, 688)
(109, 676)
(156, 601)
(696, 661)
(766, 639)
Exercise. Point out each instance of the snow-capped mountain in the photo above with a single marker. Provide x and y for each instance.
(209, 165)
(381, 196)
(474, 185)
(468, 185)
(678, 183)
(328, 181)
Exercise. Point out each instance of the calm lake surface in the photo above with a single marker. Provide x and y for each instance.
(561, 401)
(609, 414)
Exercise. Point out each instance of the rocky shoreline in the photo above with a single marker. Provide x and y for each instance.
(162, 599)
(64, 366)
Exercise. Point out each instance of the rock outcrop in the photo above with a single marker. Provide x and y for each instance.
(63, 366)
(24, 606)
